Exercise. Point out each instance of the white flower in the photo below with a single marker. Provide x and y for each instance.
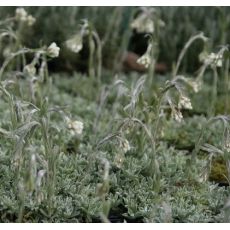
(30, 20)
(146, 58)
(203, 56)
(21, 14)
(184, 102)
(76, 127)
(75, 44)
(227, 146)
(143, 24)
(211, 59)
(53, 50)
(177, 115)
(219, 58)
(119, 159)
(124, 145)
(214, 59)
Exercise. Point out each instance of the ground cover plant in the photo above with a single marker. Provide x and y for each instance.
(103, 145)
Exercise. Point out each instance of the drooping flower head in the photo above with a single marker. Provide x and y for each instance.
(75, 44)
(211, 59)
(21, 14)
(124, 145)
(30, 20)
(146, 20)
(184, 102)
(146, 58)
(53, 50)
(177, 115)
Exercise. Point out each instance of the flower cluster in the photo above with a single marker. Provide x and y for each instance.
(22, 16)
(177, 115)
(146, 58)
(144, 22)
(211, 59)
(184, 102)
(30, 20)
(124, 145)
(53, 50)
(119, 159)
(75, 44)
(75, 127)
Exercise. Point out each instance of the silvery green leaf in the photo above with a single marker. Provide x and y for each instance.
(211, 149)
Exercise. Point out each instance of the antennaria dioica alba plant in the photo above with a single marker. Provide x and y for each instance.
(30, 117)
(148, 21)
(75, 44)
(215, 61)
(223, 149)
(62, 176)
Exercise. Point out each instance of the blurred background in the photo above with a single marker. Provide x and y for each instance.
(58, 24)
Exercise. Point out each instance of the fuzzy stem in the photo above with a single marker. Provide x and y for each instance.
(99, 56)
(214, 93)
(91, 53)
(184, 50)
(226, 81)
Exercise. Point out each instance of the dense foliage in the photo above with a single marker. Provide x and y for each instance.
(106, 146)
